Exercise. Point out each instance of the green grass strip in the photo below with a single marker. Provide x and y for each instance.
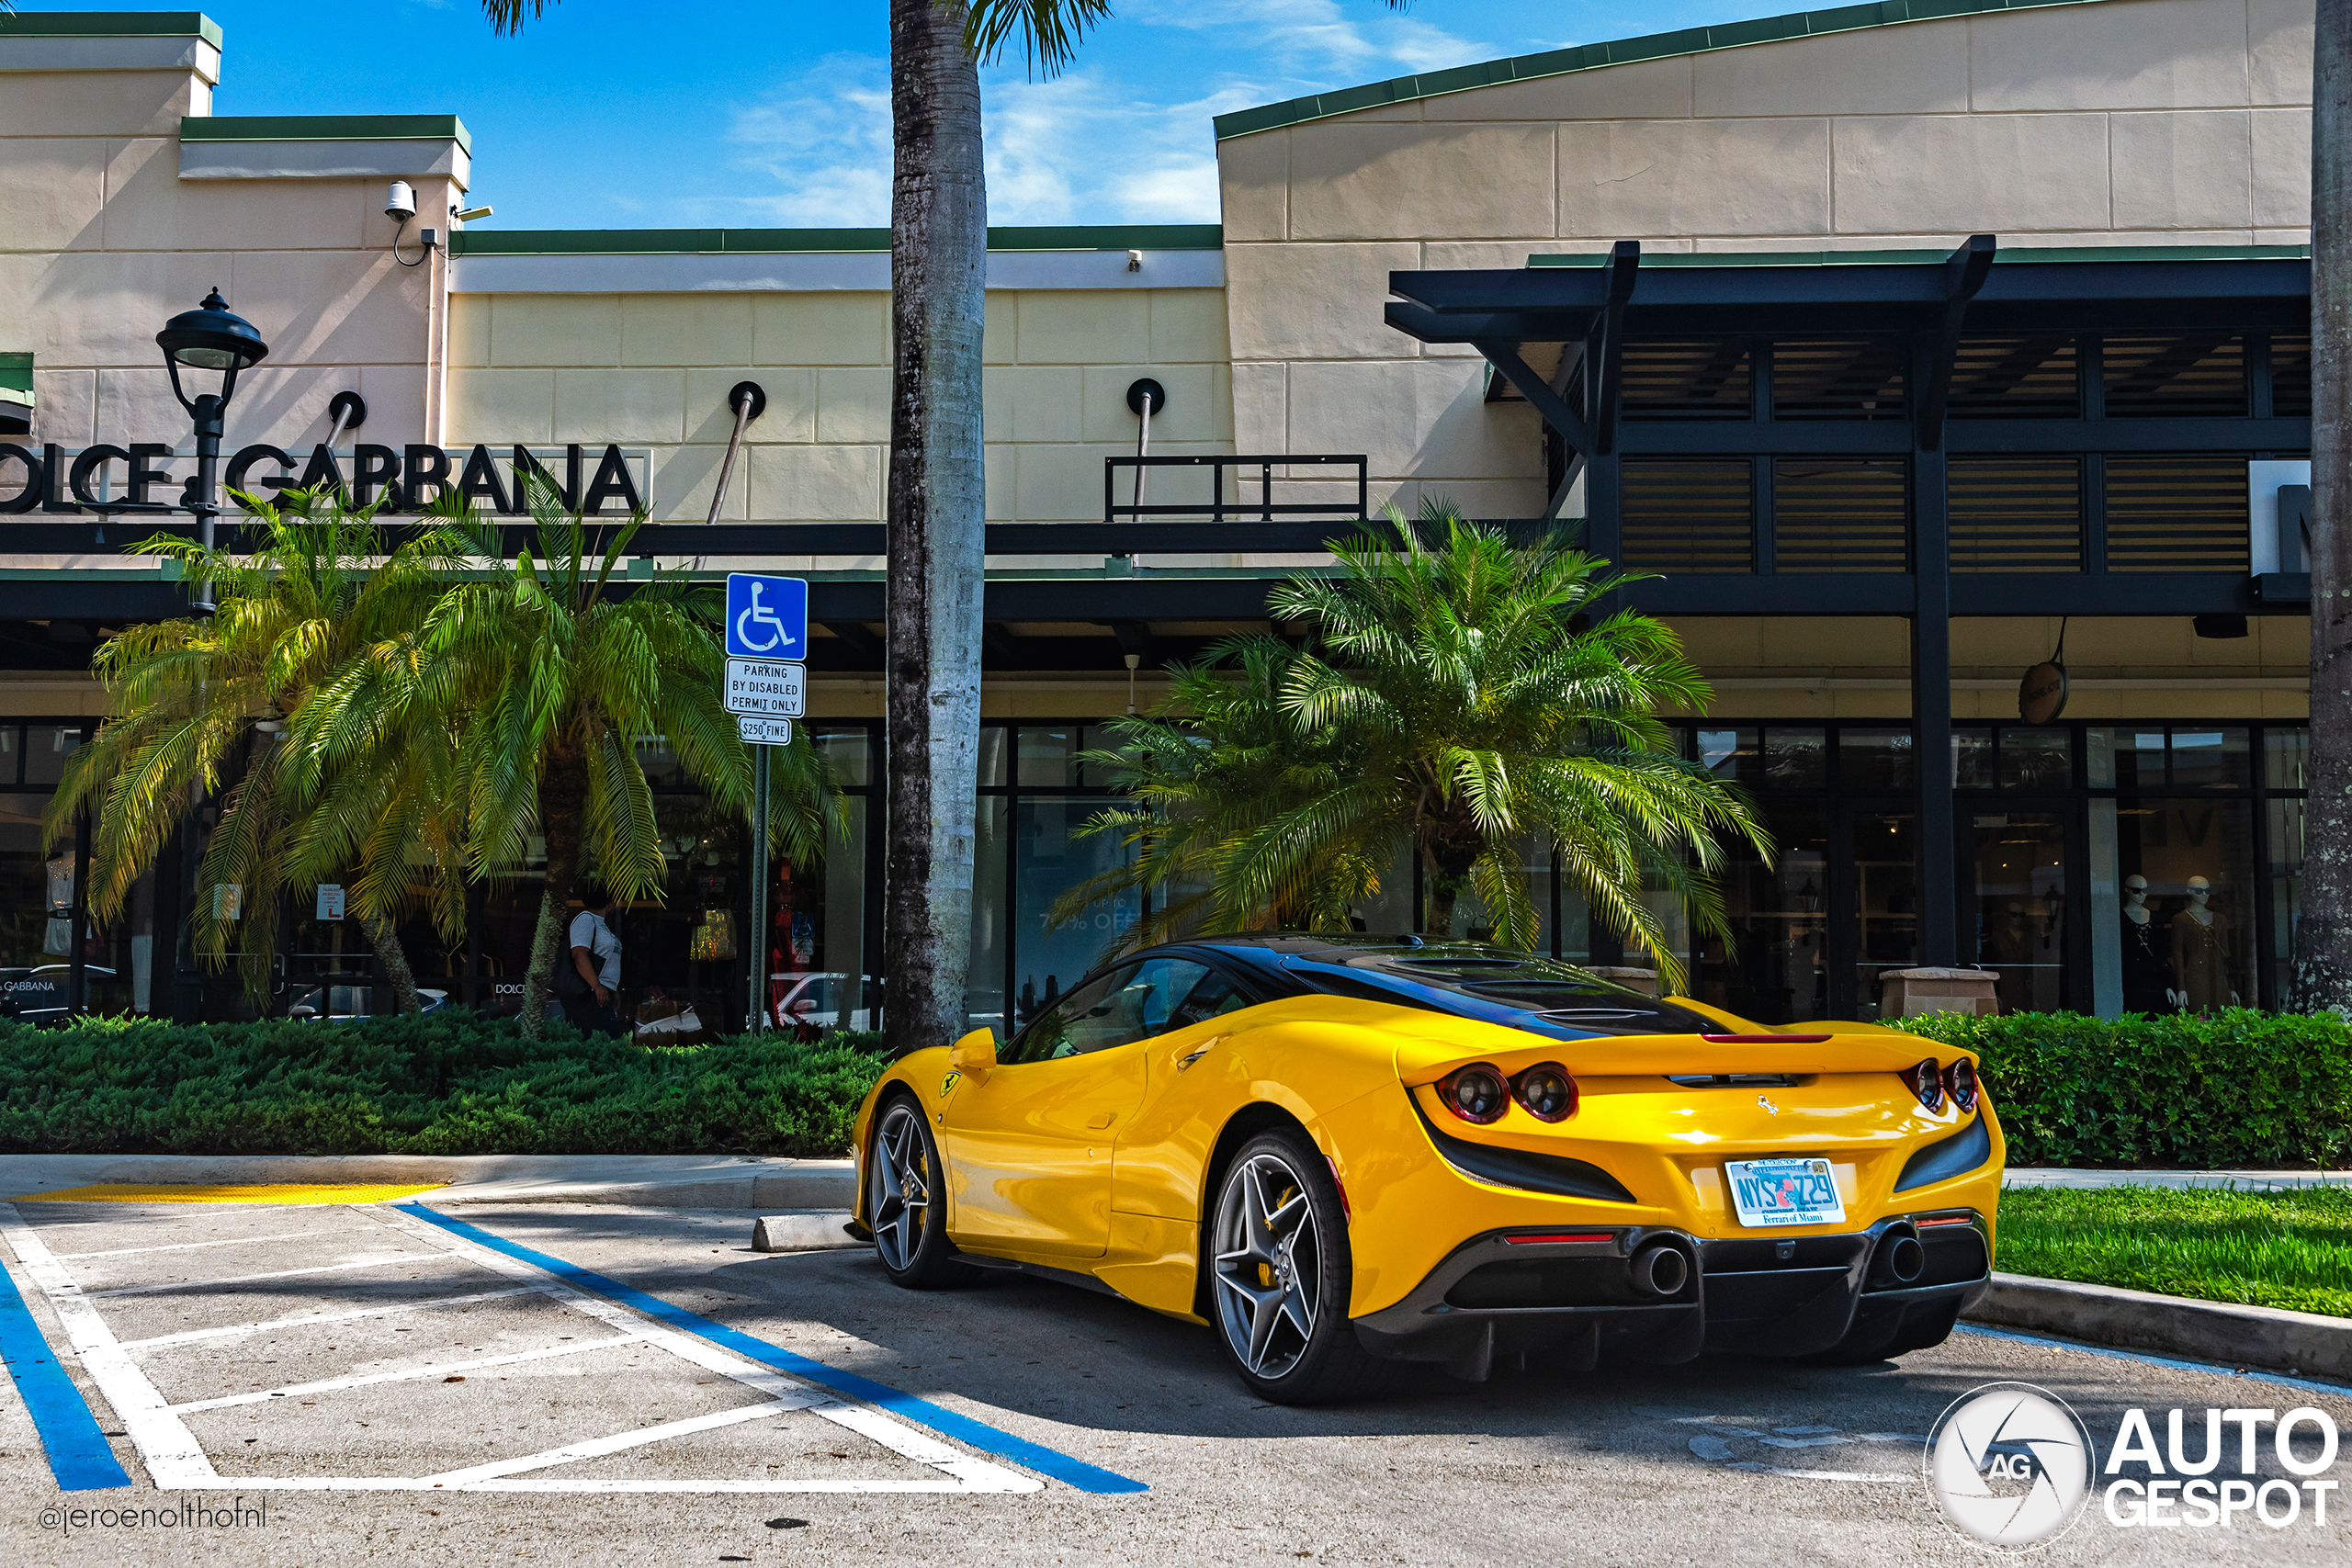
(2290, 1249)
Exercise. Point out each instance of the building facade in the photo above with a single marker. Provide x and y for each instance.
(1897, 350)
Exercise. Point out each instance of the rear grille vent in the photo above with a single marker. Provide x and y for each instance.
(1838, 379)
(1735, 1081)
(2015, 377)
(1841, 515)
(2175, 515)
(1689, 516)
(2182, 374)
(2017, 513)
(1708, 379)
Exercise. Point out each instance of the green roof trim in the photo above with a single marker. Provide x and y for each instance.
(1618, 51)
(327, 128)
(2016, 256)
(112, 24)
(791, 242)
(17, 379)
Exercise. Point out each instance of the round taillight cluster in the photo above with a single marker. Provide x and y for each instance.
(1926, 1082)
(1960, 1082)
(1475, 1093)
(1479, 1093)
(1546, 1091)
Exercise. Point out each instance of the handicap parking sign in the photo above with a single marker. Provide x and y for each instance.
(767, 617)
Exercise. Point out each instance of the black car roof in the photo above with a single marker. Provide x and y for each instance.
(1499, 985)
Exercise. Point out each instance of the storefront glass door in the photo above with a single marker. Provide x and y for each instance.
(2014, 904)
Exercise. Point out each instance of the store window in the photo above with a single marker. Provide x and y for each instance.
(2181, 935)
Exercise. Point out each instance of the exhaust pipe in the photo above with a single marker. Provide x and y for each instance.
(1660, 1269)
(1901, 1258)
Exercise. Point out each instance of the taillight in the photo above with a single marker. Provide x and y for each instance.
(1475, 1093)
(1960, 1082)
(1927, 1083)
(1546, 1092)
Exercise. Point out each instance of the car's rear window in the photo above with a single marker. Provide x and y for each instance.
(1543, 996)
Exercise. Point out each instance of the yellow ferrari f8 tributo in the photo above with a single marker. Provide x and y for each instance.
(1342, 1152)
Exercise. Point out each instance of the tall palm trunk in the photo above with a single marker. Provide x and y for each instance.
(2322, 976)
(564, 795)
(937, 503)
(391, 959)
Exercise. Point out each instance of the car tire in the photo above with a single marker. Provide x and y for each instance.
(904, 1207)
(1281, 1274)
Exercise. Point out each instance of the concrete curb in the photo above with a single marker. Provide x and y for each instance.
(651, 1182)
(811, 1230)
(793, 1189)
(2308, 1344)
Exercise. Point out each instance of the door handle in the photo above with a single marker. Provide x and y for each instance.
(1183, 1062)
(1099, 1121)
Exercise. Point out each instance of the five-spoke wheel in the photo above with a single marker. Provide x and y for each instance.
(901, 1202)
(1281, 1274)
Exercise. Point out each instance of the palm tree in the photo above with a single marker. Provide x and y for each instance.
(1463, 709)
(195, 702)
(547, 678)
(2323, 943)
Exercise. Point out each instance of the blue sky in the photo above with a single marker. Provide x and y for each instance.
(605, 115)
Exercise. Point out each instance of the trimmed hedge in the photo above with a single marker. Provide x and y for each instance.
(2236, 1087)
(454, 1084)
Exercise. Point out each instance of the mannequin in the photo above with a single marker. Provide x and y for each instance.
(2147, 963)
(2201, 953)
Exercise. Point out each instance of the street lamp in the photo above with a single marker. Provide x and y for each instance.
(210, 338)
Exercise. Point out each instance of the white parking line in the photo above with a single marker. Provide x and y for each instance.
(184, 1245)
(229, 1330)
(176, 1463)
(173, 1457)
(596, 1447)
(250, 1279)
(365, 1379)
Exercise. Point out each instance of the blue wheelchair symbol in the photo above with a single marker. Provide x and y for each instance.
(767, 617)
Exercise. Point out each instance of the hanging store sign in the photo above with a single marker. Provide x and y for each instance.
(2041, 695)
(54, 479)
(765, 688)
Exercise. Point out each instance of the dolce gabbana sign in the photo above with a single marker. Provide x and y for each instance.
(55, 480)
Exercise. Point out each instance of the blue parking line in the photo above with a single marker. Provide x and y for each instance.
(2147, 1360)
(988, 1440)
(79, 1455)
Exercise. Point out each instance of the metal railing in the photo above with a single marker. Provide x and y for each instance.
(1248, 472)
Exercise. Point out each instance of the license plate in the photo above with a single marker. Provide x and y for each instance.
(1784, 1192)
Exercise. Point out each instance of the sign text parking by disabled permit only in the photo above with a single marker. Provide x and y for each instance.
(767, 617)
(766, 689)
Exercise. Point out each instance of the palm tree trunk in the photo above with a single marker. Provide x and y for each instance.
(563, 793)
(392, 960)
(937, 503)
(2323, 977)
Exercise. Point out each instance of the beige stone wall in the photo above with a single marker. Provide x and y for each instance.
(2124, 122)
(653, 370)
(101, 241)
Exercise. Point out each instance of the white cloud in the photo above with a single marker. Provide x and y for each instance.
(1096, 145)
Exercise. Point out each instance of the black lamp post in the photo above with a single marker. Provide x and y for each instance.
(209, 339)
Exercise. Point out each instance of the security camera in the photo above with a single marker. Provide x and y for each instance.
(468, 215)
(400, 202)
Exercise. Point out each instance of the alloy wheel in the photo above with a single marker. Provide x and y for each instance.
(1268, 1266)
(901, 1195)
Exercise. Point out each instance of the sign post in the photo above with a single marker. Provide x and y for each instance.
(765, 686)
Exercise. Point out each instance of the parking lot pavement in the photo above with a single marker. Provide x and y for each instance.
(613, 1386)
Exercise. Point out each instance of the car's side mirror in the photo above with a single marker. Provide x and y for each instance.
(973, 1054)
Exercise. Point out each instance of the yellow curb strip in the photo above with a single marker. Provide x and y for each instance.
(294, 1192)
